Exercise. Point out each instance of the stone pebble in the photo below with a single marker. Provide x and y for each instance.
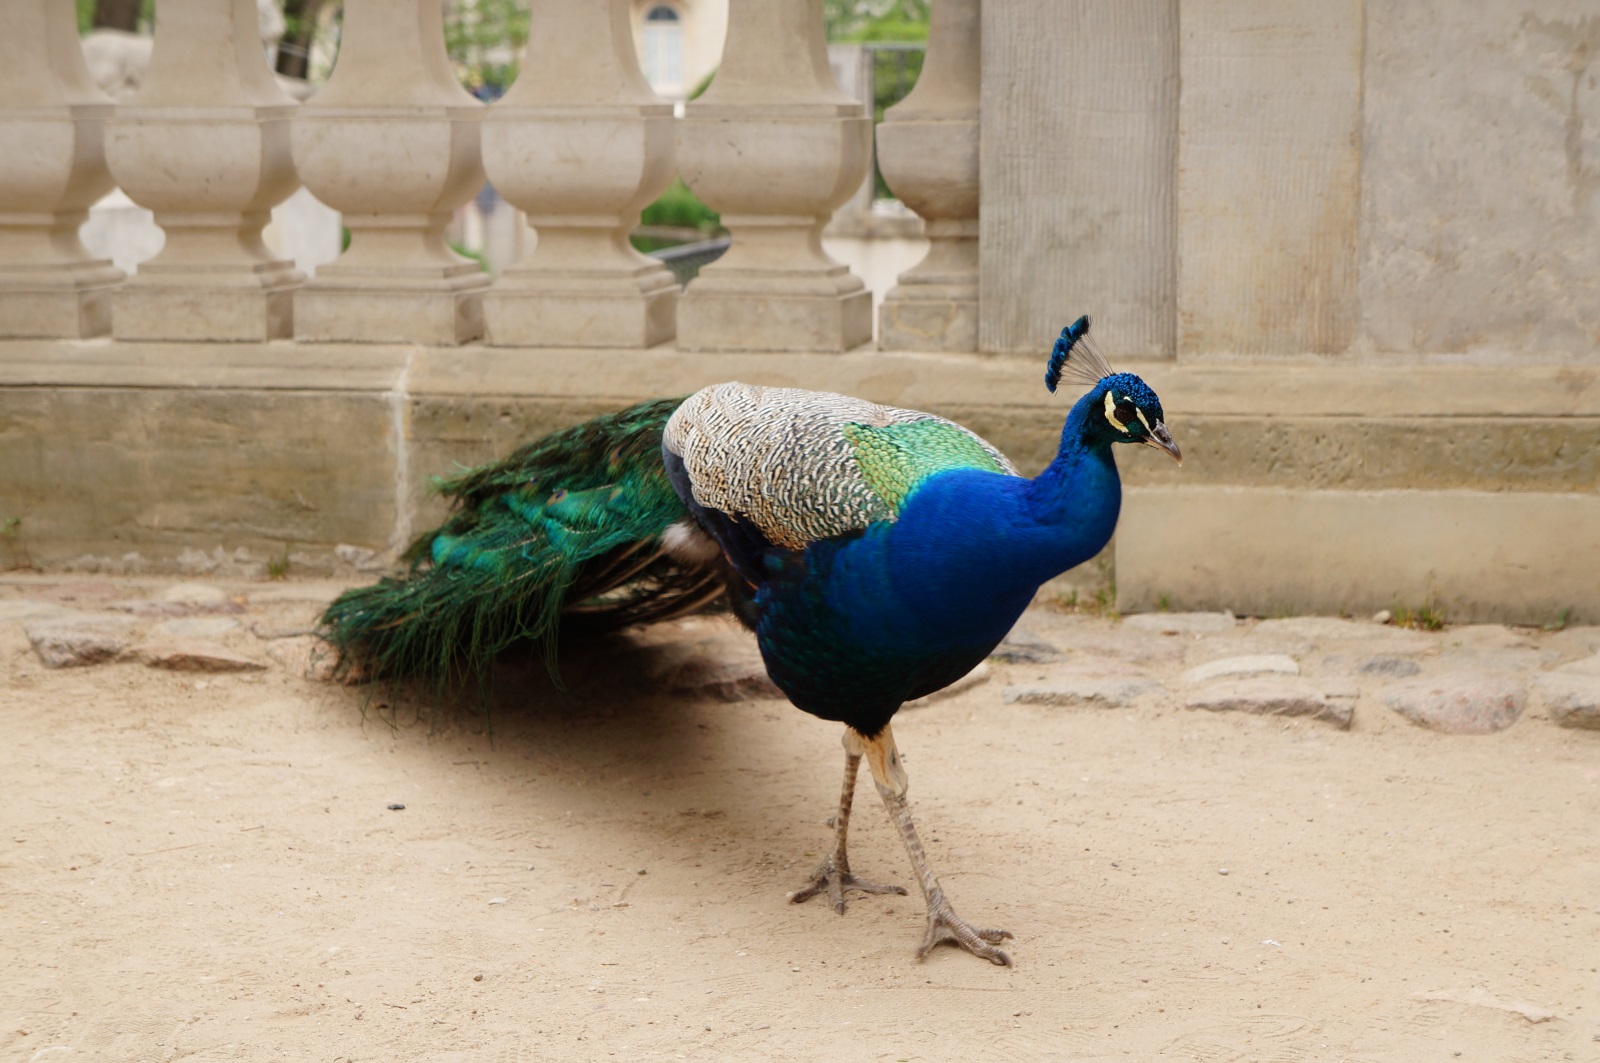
(1083, 691)
(1571, 693)
(195, 657)
(1253, 664)
(74, 642)
(1460, 702)
(1390, 667)
(1329, 700)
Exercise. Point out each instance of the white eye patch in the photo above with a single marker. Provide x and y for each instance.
(1111, 414)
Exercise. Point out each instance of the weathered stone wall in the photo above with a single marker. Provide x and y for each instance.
(1378, 176)
(1305, 487)
(1481, 178)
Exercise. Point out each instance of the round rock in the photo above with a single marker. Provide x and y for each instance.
(1254, 664)
(1463, 703)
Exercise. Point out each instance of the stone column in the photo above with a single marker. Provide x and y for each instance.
(1079, 161)
(392, 141)
(1269, 177)
(775, 146)
(204, 145)
(582, 144)
(52, 168)
(928, 152)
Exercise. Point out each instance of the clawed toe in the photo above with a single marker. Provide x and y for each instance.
(834, 882)
(945, 925)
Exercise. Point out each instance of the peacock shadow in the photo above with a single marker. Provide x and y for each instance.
(663, 728)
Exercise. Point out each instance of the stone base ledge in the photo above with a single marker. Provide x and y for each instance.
(64, 312)
(1308, 487)
(1515, 557)
(185, 313)
(634, 319)
(715, 321)
(910, 324)
(326, 313)
(1267, 388)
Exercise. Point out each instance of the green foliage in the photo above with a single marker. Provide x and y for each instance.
(1102, 603)
(278, 567)
(851, 20)
(679, 208)
(18, 557)
(484, 39)
(476, 256)
(1164, 603)
(1429, 616)
(144, 19)
(1560, 622)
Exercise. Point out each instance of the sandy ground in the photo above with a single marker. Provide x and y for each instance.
(204, 868)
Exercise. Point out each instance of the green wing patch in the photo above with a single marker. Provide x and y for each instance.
(895, 458)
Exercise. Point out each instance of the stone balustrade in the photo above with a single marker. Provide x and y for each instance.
(52, 168)
(210, 143)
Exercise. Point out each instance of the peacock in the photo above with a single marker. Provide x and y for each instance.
(878, 554)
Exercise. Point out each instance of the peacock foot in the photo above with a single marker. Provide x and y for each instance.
(834, 879)
(945, 925)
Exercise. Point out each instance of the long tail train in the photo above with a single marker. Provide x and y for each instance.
(566, 534)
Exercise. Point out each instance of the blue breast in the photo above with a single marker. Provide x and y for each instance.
(852, 628)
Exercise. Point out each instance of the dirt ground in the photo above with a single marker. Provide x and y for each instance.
(206, 867)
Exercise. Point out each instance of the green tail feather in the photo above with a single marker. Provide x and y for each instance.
(566, 532)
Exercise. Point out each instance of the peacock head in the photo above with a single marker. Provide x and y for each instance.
(1121, 408)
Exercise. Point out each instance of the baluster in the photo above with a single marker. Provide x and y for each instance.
(392, 141)
(928, 152)
(204, 145)
(52, 168)
(776, 147)
(582, 144)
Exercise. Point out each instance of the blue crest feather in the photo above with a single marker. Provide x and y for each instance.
(1074, 355)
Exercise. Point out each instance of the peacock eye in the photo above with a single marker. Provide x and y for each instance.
(1126, 413)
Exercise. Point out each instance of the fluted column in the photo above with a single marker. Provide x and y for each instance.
(52, 168)
(204, 145)
(392, 141)
(582, 144)
(776, 147)
(928, 152)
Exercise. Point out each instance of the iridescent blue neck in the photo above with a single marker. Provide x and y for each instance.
(1080, 490)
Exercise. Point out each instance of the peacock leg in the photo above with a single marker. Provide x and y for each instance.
(943, 923)
(834, 875)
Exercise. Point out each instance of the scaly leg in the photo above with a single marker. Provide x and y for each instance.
(834, 875)
(943, 923)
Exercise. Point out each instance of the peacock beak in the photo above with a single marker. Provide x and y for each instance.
(1161, 439)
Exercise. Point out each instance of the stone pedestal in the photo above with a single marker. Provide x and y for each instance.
(204, 145)
(928, 152)
(582, 144)
(52, 169)
(392, 141)
(775, 146)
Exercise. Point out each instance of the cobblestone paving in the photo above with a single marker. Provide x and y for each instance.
(1472, 679)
